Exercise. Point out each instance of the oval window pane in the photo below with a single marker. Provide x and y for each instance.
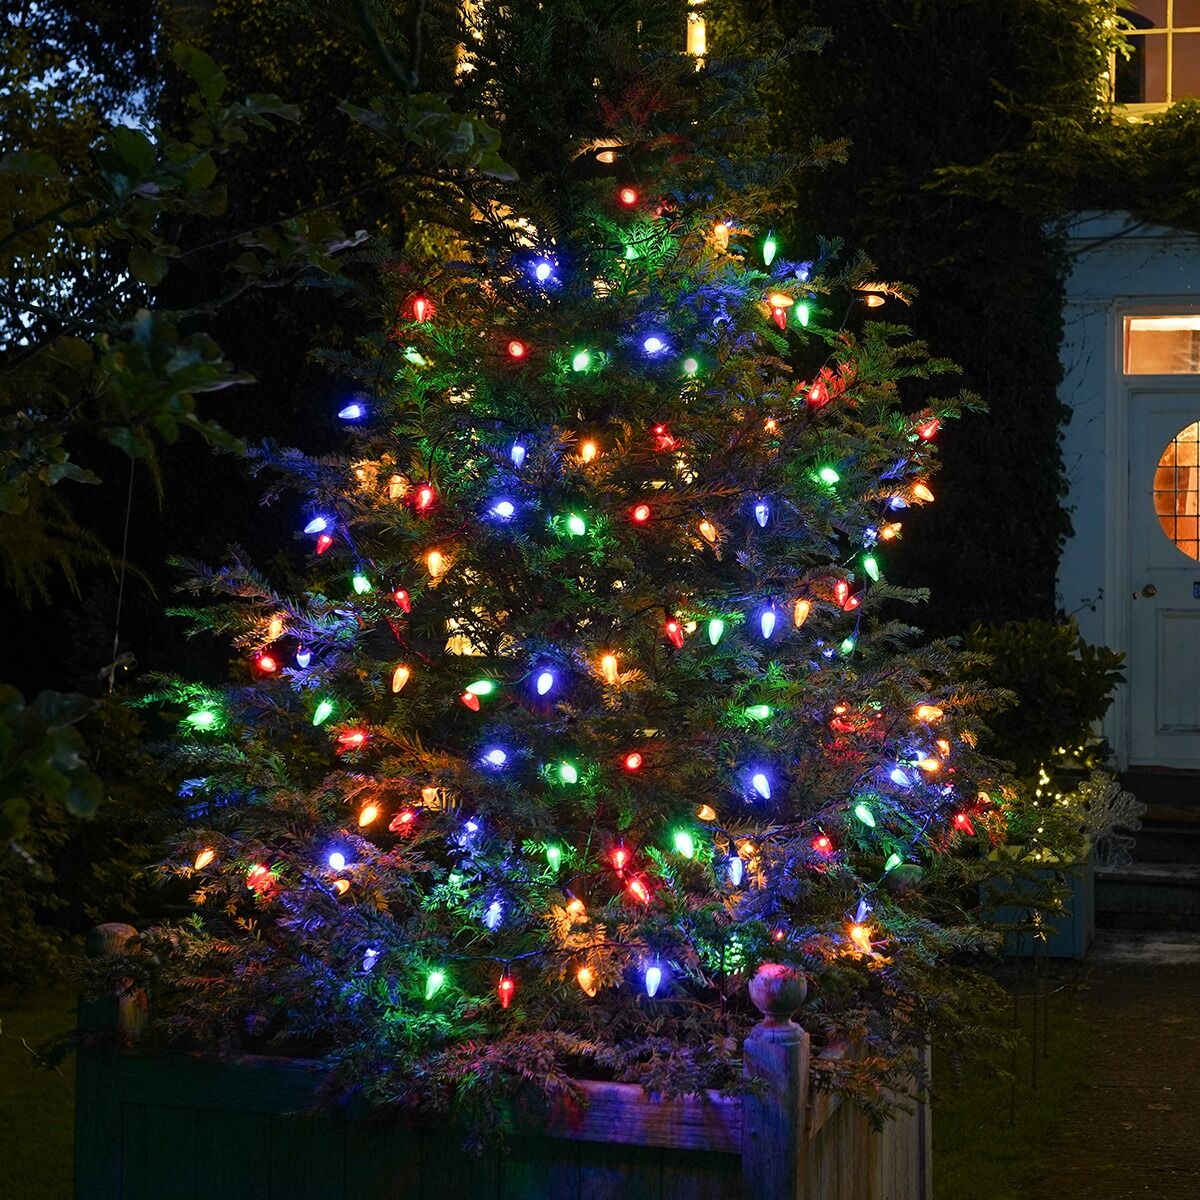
(1177, 490)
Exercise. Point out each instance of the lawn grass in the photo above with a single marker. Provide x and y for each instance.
(36, 1105)
(978, 1152)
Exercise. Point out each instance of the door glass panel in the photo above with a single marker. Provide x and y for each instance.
(1146, 13)
(1163, 345)
(1142, 76)
(1177, 490)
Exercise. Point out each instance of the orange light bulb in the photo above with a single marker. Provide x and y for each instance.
(400, 676)
(369, 814)
(800, 611)
(204, 858)
(708, 531)
(435, 563)
(608, 668)
(586, 979)
(922, 492)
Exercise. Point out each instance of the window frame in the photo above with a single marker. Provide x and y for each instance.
(1167, 31)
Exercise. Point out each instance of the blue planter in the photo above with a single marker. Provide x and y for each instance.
(1064, 935)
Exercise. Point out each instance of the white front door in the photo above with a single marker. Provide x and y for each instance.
(1163, 666)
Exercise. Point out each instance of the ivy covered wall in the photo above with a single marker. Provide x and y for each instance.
(1007, 95)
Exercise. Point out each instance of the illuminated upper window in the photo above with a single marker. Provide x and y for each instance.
(1168, 345)
(1164, 60)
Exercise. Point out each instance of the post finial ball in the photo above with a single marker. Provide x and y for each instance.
(777, 992)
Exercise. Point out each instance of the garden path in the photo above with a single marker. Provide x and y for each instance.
(1133, 1134)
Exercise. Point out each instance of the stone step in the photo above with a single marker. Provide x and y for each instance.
(1167, 842)
(1149, 896)
(1170, 948)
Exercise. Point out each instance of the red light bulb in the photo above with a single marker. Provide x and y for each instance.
(403, 599)
(927, 429)
(517, 349)
(633, 761)
(639, 891)
(641, 513)
(402, 822)
(505, 989)
(352, 739)
(841, 590)
(851, 603)
(818, 394)
(425, 497)
(470, 700)
(323, 543)
(421, 309)
(964, 824)
(267, 665)
(628, 196)
(822, 844)
(674, 632)
(620, 858)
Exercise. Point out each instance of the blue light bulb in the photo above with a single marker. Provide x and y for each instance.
(494, 914)
(899, 777)
(303, 658)
(517, 454)
(352, 412)
(542, 270)
(504, 509)
(762, 513)
(369, 958)
(337, 861)
(545, 681)
(653, 980)
(766, 621)
(316, 525)
(496, 757)
(654, 344)
(736, 869)
(761, 784)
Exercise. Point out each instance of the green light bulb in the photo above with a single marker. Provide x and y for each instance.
(828, 475)
(554, 856)
(691, 365)
(415, 357)
(803, 312)
(684, 843)
(716, 627)
(758, 712)
(865, 815)
(581, 361)
(871, 566)
(482, 687)
(630, 253)
(324, 712)
(433, 983)
(894, 860)
(567, 772)
(848, 645)
(576, 525)
(203, 718)
(770, 247)
(362, 584)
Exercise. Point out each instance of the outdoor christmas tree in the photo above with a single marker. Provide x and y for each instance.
(594, 699)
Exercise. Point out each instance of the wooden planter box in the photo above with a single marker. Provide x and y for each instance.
(1068, 934)
(179, 1128)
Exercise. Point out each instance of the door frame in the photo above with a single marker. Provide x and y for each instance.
(1118, 572)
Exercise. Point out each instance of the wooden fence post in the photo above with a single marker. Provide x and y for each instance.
(775, 1058)
(98, 1168)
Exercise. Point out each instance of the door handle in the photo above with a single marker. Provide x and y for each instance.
(1148, 591)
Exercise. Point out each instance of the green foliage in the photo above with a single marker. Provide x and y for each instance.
(1062, 684)
(292, 950)
(927, 94)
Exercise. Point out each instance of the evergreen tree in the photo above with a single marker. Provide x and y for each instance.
(594, 701)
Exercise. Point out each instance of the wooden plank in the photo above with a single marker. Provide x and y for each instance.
(698, 1175)
(97, 1126)
(775, 1056)
(625, 1114)
(158, 1153)
(308, 1159)
(616, 1172)
(231, 1154)
(383, 1162)
(450, 1170)
(540, 1168)
(234, 1085)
